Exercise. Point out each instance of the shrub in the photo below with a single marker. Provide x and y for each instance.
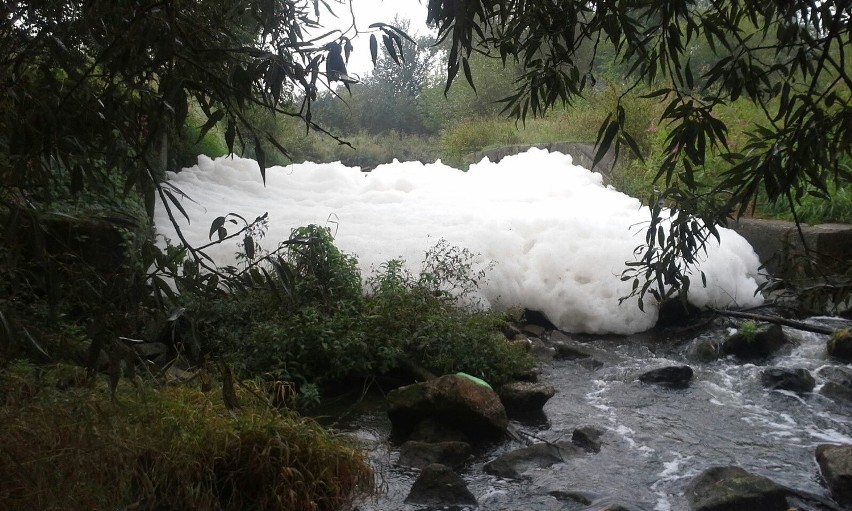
(162, 448)
(309, 321)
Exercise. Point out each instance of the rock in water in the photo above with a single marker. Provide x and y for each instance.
(588, 438)
(514, 463)
(422, 454)
(673, 376)
(835, 463)
(452, 400)
(839, 345)
(734, 489)
(782, 378)
(764, 342)
(523, 397)
(439, 486)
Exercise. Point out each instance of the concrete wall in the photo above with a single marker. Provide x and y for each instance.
(779, 245)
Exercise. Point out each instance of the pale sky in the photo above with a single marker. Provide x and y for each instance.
(368, 12)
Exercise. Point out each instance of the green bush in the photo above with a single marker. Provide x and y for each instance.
(308, 321)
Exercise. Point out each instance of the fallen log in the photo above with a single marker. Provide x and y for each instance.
(798, 325)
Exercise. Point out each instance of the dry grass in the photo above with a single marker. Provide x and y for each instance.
(173, 447)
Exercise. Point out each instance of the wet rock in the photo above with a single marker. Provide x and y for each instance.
(452, 400)
(569, 349)
(422, 454)
(672, 376)
(609, 504)
(437, 485)
(512, 332)
(434, 431)
(838, 384)
(734, 489)
(837, 392)
(523, 397)
(581, 497)
(835, 463)
(534, 330)
(840, 345)
(837, 374)
(541, 350)
(676, 312)
(782, 378)
(588, 438)
(514, 463)
(764, 342)
(704, 350)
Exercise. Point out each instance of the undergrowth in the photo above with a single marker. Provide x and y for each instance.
(307, 320)
(65, 445)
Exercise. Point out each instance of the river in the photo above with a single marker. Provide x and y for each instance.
(656, 438)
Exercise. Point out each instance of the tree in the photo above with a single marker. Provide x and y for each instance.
(94, 90)
(790, 58)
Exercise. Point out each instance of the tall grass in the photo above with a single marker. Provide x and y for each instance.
(168, 447)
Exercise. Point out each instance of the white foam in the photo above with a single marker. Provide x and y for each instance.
(557, 237)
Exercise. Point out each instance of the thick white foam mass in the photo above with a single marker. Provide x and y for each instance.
(558, 239)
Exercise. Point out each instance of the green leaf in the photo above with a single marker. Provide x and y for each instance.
(374, 48)
(215, 226)
(211, 121)
(467, 73)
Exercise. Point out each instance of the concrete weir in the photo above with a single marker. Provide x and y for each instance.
(780, 246)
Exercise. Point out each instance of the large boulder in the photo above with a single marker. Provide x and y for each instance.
(734, 489)
(782, 378)
(453, 400)
(835, 463)
(514, 463)
(439, 486)
(761, 343)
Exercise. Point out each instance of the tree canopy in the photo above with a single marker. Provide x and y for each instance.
(790, 58)
(94, 90)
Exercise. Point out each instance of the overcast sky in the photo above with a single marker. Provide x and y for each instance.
(368, 12)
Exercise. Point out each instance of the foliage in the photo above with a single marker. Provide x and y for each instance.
(390, 99)
(789, 58)
(67, 446)
(748, 330)
(302, 317)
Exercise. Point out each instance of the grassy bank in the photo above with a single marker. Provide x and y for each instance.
(64, 444)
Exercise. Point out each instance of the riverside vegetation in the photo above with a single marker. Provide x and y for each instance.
(103, 97)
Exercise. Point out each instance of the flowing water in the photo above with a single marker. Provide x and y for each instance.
(656, 439)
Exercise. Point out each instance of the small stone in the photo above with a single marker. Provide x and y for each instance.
(514, 463)
(673, 376)
(588, 438)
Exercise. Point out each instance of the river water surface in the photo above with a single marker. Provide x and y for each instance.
(656, 438)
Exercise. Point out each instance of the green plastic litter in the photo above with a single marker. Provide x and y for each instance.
(474, 379)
